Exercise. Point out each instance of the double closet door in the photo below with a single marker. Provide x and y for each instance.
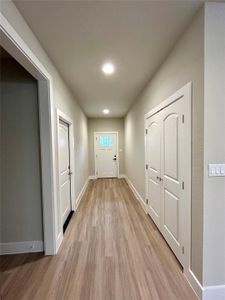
(165, 173)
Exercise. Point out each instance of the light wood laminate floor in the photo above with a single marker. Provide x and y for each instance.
(111, 250)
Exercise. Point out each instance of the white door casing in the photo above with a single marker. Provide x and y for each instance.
(66, 166)
(168, 176)
(64, 171)
(106, 154)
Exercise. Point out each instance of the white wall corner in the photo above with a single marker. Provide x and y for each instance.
(136, 194)
(21, 247)
(122, 176)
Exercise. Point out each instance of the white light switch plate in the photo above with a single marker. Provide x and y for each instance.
(216, 170)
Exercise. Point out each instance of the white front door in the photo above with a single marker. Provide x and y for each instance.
(64, 170)
(165, 156)
(106, 160)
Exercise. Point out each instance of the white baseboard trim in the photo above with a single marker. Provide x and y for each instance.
(92, 177)
(80, 196)
(216, 292)
(136, 194)
(21, 247)
(194, 283)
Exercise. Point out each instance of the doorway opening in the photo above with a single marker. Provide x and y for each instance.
(21, 197)
(17, 48)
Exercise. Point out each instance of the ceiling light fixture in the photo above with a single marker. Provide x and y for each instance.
(108, 68)
(105, 111)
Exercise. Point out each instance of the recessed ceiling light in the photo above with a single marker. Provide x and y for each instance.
(105, 111)
(108, 68)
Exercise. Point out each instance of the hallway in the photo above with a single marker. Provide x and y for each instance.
(111, 250)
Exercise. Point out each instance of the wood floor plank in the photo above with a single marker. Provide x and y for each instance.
(111, 251)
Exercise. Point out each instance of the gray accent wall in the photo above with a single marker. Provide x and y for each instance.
(185, 63)
(105, 124)
(21, 203)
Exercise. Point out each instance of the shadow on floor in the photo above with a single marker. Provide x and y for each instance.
(8, 262)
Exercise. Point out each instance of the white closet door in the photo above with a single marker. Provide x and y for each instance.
(153, 160)
(172, 162)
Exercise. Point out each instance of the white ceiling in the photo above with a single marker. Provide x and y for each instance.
(80, 35)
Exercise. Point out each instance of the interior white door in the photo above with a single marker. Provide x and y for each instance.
(165, 159)
(153, 167)
(106, 163)
(64, 170)
(172, 173)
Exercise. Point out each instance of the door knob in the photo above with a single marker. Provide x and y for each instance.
(114, 158)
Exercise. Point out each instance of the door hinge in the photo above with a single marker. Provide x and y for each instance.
(182, 185)
(146, 167)
(146, 201)
(182, 249)
(182, 118)
(146, 131)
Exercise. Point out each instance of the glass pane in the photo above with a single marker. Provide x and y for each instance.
(105, 141)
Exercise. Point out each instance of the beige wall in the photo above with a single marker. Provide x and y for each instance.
(20, 200)
(185, 63)
(105, 124)
(214, 145)
(63, 99)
